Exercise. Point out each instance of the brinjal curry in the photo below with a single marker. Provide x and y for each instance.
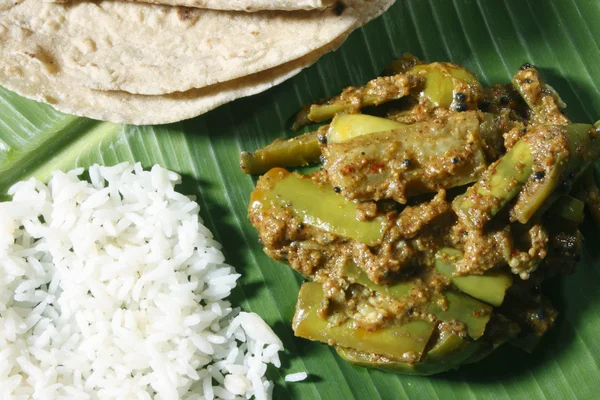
(440, 208)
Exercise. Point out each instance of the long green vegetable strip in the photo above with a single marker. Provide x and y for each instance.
(449, 352)
(296, 152)
(500, 184)
(304, 149)
(398, 340)
(583, 146)
(441, 82)
(324, 112)
(375, 92)
(490, 287)
(541, 98)
(316, 205)
(458, 307)
(344, 127)
(414, 159)
(436, 84)
(533, 168)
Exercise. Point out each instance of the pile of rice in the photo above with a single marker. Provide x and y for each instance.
(114, 289)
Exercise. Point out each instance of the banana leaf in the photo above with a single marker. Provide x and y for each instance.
(492, 38)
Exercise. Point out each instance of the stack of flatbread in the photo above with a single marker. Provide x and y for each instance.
(162, 61)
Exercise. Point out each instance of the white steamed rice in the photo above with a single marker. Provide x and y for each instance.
(296, 377)
(114, 289)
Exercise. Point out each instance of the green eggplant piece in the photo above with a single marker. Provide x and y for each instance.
(401, 340)
(500, 183)
(540, 97)
(530, 177)
(582, 148)
(316, 205)
(344, 127)
(490, 287)
(377, 91)
(444, 80)
(408, 161)
(458, 307)
(304, 150)
(295, 152)
(448, 353)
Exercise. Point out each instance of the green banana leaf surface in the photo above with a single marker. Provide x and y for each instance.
(492, 38)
